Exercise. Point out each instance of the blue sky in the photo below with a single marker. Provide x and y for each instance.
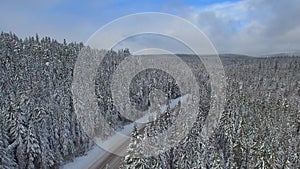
(56, 18)
(245, 26)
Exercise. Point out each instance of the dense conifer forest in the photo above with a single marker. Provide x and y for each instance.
(259, 128)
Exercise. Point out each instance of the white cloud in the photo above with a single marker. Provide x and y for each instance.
(251, 26)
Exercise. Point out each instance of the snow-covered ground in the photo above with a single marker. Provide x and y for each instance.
(84, 161)
(114, 141)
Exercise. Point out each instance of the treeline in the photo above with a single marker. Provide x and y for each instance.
(37, 121)
(259, 128)
(38, 125)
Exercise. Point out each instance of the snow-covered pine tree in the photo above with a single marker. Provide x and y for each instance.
(7, 160)
(135, 157)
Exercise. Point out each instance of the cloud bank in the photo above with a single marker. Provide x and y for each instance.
(250, 26)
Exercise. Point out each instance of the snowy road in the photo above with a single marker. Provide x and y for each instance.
(97, 158)
(111, 160)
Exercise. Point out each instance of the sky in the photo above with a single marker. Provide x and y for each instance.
(233, 26)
